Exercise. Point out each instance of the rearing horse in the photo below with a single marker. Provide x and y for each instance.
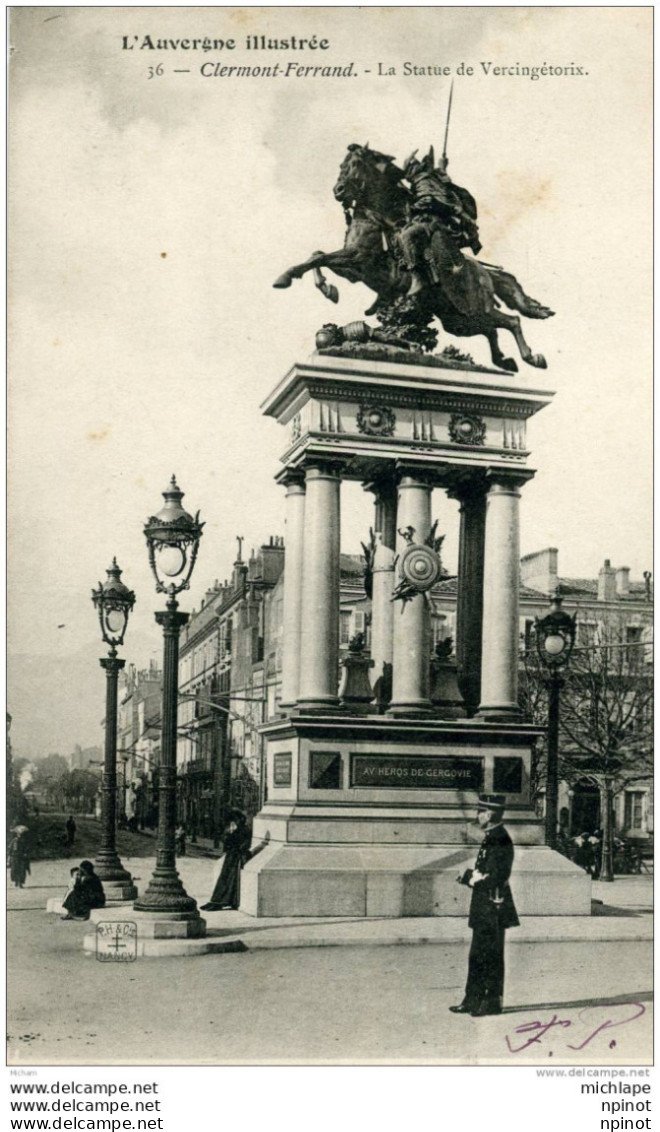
(464, 296)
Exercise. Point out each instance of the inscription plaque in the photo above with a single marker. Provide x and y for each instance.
(282, 770)
(422, 772)
(508, 776)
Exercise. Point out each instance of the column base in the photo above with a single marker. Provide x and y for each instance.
(319, 703)
(416, 709)
(499, 713)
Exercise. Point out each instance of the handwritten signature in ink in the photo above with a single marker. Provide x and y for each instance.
(586, 1018)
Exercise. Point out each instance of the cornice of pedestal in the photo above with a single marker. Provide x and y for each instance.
(339, 376)
(377, 415)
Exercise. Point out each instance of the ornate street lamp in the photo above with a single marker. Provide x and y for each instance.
(555, 637)
(173, 541)
(113, 602)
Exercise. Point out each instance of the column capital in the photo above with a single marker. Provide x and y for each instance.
(291, 478)
(503, 480)
(468, 486)
(418, 477)
(112, 664)
(327, 467)
(381, 485)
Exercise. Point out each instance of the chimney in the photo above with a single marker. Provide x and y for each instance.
(240, 569)
(623, 580)
(606, 582)
(538, 571)
(272, 559)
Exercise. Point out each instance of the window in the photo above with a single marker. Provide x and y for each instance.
(439, 628)
(344, 626)
(633, 814)
(587, 631)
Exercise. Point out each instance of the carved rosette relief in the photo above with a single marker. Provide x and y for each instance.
(467, 428)
(376, 420)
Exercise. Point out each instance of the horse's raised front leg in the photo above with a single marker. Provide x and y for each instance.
(511, 322)
(333, 260)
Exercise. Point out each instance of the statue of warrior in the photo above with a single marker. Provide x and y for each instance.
(438, 206)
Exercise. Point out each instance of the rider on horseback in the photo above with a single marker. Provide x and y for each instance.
(438, 206)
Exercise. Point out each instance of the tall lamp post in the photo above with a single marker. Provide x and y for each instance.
(113, 602)
(555, 637)
(173, 541)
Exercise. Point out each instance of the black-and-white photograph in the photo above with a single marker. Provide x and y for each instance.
(330, 615)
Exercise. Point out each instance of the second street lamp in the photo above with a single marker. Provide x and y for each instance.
(114, 602)
(173, 540)
(555, 637)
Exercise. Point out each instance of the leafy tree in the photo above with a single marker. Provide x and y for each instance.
(49, 777)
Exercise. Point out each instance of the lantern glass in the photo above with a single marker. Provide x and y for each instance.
(554, 645)
(171, 560)
(114, 619)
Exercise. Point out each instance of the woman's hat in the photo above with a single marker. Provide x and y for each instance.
(491, 802)
(87, 866)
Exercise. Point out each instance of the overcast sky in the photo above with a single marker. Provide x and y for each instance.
(149, 218)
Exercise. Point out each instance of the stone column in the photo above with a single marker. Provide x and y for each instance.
(499, 665)
(319, 632)
(294, 481)
(382, 607)
(412, 622)
(471, 494)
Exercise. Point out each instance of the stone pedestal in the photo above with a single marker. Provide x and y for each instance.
(373, 814)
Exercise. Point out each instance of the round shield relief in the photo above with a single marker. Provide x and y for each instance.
(420, 566)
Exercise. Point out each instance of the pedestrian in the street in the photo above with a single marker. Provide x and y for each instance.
(70, 827)
(86, 892)
(180, 841)
(492, 911)
(236, 846)
(19, 855)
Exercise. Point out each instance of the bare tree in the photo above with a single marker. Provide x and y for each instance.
(606, 719)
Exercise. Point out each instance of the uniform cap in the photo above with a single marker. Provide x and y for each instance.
(491, 802)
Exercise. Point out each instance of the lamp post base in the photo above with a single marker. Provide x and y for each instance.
(165, 894)
(116, 880)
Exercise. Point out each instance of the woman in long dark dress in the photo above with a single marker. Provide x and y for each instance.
(236, 844)
(19, 856)
(86, 893)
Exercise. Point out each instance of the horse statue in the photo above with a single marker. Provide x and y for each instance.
(463, 292)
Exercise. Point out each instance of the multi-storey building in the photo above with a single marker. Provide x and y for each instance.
(222, 694)
(138, 743)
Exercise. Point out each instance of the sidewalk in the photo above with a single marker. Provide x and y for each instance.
(624, 914)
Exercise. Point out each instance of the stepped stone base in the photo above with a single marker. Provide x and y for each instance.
(394, 881)
(117, 892)
(157, 936)
(55, 907)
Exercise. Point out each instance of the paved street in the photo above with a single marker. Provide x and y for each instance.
(311, 1003)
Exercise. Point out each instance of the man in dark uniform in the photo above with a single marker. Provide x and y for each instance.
(492, 911)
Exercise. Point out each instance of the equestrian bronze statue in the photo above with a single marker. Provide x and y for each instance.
(407, 233)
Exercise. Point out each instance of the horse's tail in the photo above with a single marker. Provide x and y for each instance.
(508, 289)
